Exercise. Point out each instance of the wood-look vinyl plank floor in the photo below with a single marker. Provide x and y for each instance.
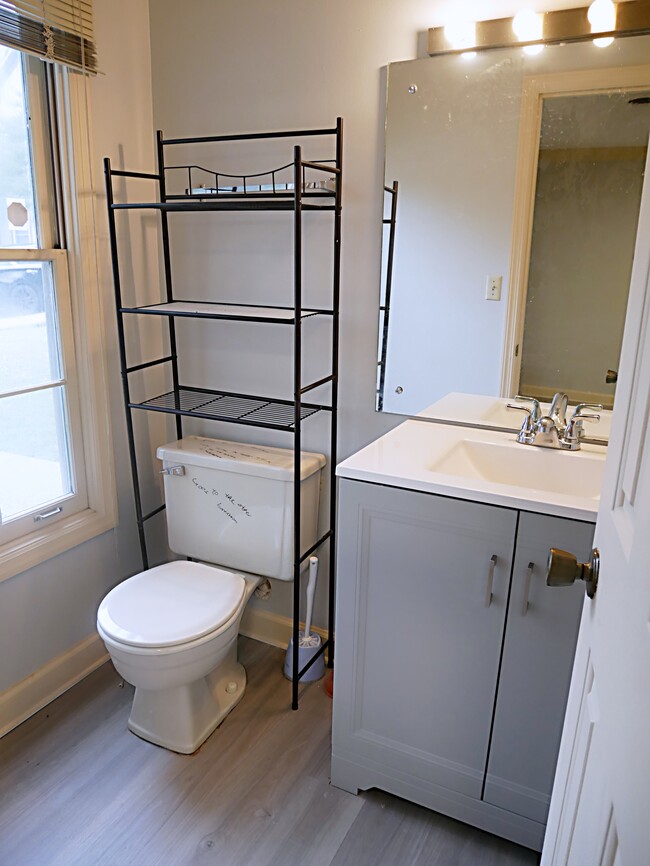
(78, 789)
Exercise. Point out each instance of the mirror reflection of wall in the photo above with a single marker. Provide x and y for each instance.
(452, 141)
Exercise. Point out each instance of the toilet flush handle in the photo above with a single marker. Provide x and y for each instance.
(173, 470)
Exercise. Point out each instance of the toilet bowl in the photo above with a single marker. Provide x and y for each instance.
(172, 632)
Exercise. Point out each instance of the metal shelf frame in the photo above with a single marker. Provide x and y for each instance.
(384, 308)
(297, 196)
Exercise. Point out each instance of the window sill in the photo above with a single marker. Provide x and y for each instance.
(24, 553)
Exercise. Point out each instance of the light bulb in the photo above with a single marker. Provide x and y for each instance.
(602, 17)
(461, 34)
(528, 25)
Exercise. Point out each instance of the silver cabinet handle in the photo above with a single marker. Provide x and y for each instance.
(490, 580)
(527, 580)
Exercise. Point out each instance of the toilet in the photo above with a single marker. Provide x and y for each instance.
(171, 631)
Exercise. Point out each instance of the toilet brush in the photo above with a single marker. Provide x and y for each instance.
(309, 643)
(307, 639)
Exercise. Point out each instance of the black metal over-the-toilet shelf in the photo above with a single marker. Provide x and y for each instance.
(299, 186)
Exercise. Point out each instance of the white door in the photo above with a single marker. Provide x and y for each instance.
(600, 808)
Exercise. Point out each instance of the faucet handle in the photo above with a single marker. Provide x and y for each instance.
(535, 410)
(528, 423)
(519, 408)
(578, 409)
(575, 427)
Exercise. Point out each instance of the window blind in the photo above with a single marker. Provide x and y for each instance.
(58, 30)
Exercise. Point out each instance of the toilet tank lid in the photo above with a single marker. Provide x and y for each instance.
(171, 604)
(260, 460)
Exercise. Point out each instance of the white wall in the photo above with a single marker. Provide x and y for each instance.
(228, 66)
(48, 609)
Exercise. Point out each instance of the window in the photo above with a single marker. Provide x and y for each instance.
(52, 493)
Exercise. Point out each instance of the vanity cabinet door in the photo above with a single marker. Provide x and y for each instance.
(419, 638)
(540, 640)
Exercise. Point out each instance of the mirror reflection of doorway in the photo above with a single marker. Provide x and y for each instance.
(592, 150)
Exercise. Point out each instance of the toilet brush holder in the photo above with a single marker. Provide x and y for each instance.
(307, 649)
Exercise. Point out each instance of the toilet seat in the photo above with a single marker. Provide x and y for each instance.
(171, 604)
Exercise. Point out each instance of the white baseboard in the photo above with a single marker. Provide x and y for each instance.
(30, 695)
(36, 691)
(270, 627)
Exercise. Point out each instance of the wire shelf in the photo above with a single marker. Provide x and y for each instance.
(236, 312)
(223, 406)
(252, 201)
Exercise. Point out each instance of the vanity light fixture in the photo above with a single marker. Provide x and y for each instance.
(602, 17)
(599, 23)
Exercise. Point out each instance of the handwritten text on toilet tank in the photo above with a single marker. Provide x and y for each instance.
(228, 506)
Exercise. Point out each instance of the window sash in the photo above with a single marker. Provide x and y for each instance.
(57, 30)
(78, 500)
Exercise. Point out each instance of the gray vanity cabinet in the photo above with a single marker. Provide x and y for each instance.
(540, 640)
(418, 633)
(444, 692)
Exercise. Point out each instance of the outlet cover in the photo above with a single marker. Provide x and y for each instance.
(493, 288)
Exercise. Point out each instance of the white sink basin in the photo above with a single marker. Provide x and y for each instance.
(567, 473)
(484, 466)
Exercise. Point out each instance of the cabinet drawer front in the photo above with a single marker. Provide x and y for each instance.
(540, 640)
(419, 633)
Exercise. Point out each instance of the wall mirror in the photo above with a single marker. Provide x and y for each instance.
(512, 193)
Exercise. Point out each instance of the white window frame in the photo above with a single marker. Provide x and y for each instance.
(80, 323)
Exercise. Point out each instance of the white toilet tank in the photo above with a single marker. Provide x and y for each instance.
(232, 504)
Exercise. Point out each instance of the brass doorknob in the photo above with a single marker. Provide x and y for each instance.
(563, 569)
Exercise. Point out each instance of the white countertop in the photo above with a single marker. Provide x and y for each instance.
(484, 466)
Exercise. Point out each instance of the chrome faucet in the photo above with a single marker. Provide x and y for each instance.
(557, 412)
(553, 430)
